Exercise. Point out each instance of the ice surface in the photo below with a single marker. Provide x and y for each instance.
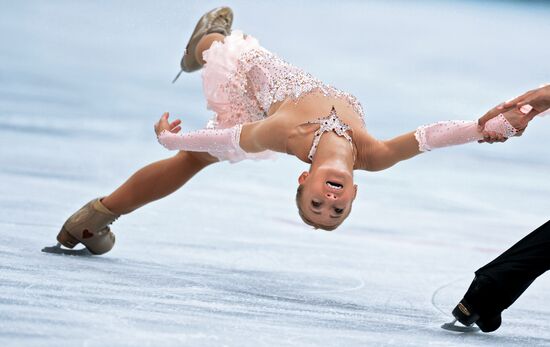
(225, 261)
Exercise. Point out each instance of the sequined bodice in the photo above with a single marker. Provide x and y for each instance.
(329, 123)
(262, 79)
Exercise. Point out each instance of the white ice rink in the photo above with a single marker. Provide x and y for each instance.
(226, 261)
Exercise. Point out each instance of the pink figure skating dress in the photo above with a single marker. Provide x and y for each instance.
(241, 80)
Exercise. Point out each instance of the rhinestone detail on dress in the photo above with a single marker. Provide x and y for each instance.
(262, 79)
(329, 123)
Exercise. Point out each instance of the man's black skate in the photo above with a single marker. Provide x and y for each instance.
(481, 305)
(463, 313)
(460, 328)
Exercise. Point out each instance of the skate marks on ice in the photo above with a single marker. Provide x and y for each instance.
(44, 293)
(129, 299)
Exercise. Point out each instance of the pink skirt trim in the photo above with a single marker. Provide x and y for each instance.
(221, 62)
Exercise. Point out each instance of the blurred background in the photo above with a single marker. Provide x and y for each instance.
(226, 260)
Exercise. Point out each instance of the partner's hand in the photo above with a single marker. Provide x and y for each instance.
(538, 99)
(163, 124)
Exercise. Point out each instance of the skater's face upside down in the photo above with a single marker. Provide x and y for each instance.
(324, 197)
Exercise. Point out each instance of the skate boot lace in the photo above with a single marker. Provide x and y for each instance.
(106, 229)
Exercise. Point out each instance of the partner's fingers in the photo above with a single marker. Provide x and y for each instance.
(492, 114)
(529, 116)
(500, 138)
(487, 139)
(534, 106)
(176, 129)
(524, 108)
(490, 136)
(487, 116)
(521, 98)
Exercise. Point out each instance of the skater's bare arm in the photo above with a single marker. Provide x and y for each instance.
(437, 135)
(381, 155)
(263, 135)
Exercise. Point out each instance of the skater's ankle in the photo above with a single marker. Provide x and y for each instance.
(204, 44)
(111, 207)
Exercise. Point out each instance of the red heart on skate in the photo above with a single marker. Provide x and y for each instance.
(86, 234)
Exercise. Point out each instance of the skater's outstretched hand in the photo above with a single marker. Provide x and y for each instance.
(163, 124)
(516, 118)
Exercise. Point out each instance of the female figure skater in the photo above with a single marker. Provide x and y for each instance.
(265, 105)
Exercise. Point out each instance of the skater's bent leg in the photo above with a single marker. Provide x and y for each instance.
(205, 43)
(156, 181)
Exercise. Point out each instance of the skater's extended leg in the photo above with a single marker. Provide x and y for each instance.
(90, 224)
(155, 181)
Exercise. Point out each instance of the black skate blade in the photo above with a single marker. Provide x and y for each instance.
(57, 249)
(451, 326)
(177, 76)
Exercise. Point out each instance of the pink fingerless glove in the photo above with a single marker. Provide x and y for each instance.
(221, 143)
(457, 132)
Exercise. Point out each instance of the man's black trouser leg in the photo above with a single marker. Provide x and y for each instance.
(514, 270)
(500, 283)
